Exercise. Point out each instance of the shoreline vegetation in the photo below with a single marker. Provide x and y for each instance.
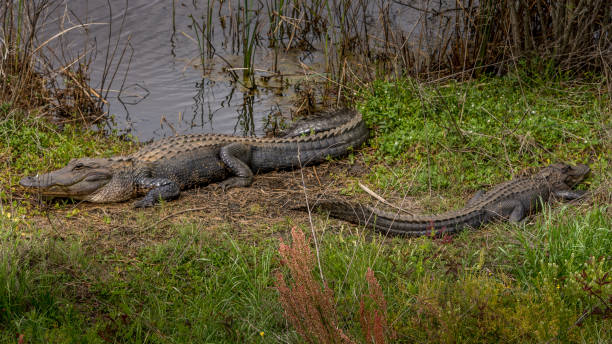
(520, 95)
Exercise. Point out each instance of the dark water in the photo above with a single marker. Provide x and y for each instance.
(160, 88)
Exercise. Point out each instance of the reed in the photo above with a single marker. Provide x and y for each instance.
(203, 31)
(275, 10)
(363, 40)
(249, 35)
(20, 84)
(42, 75)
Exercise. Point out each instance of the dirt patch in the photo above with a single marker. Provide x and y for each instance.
(263, 210)
(259, 211)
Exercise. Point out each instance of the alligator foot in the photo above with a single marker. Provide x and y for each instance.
(235, 182)
(144, 203)
(166, 191)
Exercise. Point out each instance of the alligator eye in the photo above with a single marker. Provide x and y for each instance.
(78, 166)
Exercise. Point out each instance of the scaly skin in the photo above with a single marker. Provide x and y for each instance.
(512, 200)
(163, 168)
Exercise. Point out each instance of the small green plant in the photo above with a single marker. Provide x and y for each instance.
(249, 42)
(468, 134)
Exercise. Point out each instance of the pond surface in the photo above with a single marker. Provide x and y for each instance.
(160, 87)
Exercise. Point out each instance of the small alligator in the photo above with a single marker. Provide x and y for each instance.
(512, 200)
(163, 168)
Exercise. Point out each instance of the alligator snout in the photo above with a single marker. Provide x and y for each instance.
(30, 182)
(37, 181)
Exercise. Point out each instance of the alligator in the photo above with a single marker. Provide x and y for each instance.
(511, 200)
(161, 169)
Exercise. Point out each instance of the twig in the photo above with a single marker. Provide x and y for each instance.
(172, 215)
(314, 168)
(382, 200)
(63, 32)
(314, 236)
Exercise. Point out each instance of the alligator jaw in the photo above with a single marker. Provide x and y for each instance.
(33, 182)
(79, 179)
(44, 185)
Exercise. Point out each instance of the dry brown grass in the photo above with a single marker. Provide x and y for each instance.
(308, 306)
(37, 75)
(366, 40)
(20, 83)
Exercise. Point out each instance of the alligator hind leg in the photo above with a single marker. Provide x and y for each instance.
(514, 209)
(236, 156)
(477, 196)
(511, 209)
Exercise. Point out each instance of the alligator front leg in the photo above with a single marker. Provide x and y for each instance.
(569, 194)
(159, 189)
(236, 156)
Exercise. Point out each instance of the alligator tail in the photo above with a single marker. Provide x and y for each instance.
(387, 223)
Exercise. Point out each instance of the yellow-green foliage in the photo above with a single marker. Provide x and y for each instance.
(29, 145)
(462, 135)
(484, 308)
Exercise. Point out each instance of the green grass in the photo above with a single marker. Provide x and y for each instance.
(209, 288)
(33, 144)
(544, 281)
(460, 136)
(192, 290)
(38, 276)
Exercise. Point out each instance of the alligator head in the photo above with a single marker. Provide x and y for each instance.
(90, 179)
(561, 173)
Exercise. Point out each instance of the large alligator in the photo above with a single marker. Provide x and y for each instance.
(512, 200)
(163, 168)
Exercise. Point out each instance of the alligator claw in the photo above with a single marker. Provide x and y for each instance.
(235, 182)
(223, 187)
(226, 186)
(143, 203)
